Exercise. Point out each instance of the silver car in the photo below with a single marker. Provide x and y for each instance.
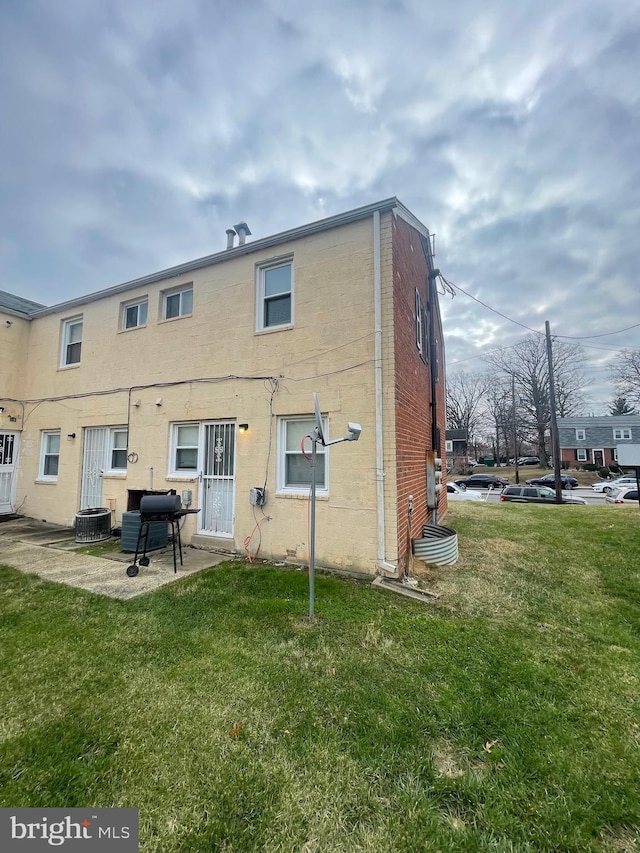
(608, 486)
(623, 496)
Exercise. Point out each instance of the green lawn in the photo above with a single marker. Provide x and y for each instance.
(503, 717)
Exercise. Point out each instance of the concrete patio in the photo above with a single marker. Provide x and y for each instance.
(50, 551)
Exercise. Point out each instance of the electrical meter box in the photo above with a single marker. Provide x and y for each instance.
(258, 496)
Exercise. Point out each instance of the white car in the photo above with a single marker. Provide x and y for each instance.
(459, 493)
(623, 496)
(608, 486)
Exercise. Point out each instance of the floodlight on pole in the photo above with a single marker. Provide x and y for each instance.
(317, 435)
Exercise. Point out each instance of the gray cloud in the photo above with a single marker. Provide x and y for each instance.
(137, 133)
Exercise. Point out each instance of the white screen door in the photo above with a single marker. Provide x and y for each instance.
(217, 495)
(95, 460)
(8, 464)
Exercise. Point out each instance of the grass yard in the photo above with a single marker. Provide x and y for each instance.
(503, 717)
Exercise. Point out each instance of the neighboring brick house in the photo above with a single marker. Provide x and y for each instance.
(595, 439)
(200, 378)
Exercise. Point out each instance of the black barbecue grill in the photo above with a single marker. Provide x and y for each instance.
(159, 509)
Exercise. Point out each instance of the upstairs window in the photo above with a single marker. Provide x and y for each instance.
(422, 329)
(134, 314)
(177, 303)
(419, 324)
(49, 455)
(71, 342)
(581, 435)
(621, 434)
(275, 296)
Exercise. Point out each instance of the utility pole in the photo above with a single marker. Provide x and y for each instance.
(555, 438)
(515, 435)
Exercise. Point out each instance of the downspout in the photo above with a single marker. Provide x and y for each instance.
(435, 369)
(377, 302)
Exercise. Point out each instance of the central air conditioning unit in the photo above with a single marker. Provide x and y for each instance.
(158, 533)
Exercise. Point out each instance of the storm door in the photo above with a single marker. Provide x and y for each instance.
(8, 467)
(217, 478)
(95, 461)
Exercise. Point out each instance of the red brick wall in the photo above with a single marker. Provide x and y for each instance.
(413, 386)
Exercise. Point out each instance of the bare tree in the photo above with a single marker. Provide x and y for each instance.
(626, 375)
(467, 402)
(527, 363)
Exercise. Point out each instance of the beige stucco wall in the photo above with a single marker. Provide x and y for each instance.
(329, 349)
(13, 358)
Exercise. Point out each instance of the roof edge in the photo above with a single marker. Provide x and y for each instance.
(340, 219)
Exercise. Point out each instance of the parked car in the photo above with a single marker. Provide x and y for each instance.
(550, 480)
(607, 486)
(460, 493)
(535, 495)
(483, 481)
(623, 496)
(529, 460)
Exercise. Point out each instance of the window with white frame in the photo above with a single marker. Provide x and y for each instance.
(419, 324)
(581, 435)
(178, 302)
(275, 295)
(294, 470)
(448, 446)
(118, 442)
(71, 347)
(184, 449)
(134, 314)
(614, 452)
(49, 455)
(581, 455)
(621, 434)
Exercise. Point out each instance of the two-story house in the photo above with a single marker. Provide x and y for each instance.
(595, 439)
(200, 378)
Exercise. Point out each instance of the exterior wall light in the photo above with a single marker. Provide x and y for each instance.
(71, 436)
(243, 427)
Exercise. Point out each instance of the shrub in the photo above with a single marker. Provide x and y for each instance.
(603, 473)
(615, 469)
(589, 466)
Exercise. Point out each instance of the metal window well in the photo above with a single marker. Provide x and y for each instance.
(93, 525)
(439, 545)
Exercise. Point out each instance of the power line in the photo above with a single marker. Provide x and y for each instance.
(495, 311)
(603, 335)
(535, 331)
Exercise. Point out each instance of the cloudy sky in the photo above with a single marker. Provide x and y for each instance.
(133, 134)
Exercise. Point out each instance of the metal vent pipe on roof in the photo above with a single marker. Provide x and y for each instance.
(230, 232)
(242, 230)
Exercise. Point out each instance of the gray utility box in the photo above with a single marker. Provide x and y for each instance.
(158, 533)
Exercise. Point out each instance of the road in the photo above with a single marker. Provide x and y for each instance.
(593, 498)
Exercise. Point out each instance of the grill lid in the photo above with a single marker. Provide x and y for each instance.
(160, 505)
